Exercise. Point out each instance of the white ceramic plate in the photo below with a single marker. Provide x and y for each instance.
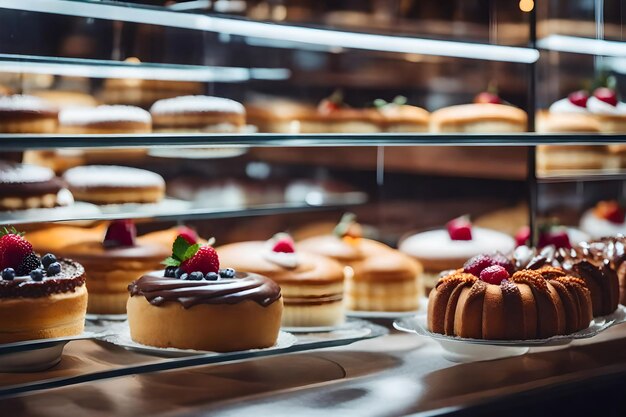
(460, 349)
(386, 315)
(217, 152)
(120, 336)
(349, 324)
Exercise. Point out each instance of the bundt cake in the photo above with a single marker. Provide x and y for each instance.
(488, 299)
(610, 253)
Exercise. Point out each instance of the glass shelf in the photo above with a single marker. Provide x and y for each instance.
(95, 68)
(581, 175)
(53, 141)
(332, 40)
(169, 210)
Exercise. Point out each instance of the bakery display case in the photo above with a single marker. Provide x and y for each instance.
(295, 203)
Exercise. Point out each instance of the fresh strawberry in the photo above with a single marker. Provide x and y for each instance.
(476, 264)
(13, 248)
(606, 94)
(487, 98)
(205, 260)
(579, 98)
(188, 234)
(610, 211)
(460, 228)
(120, 233)
(283, 243)
(494, 274)
(522, 237)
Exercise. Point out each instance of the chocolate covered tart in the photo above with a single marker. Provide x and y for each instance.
(312, 285)
(40, 298)
(30, 186)
(193, 304)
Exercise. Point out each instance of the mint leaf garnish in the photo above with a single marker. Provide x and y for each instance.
(179, 248)
(191, 250)
(169, 261)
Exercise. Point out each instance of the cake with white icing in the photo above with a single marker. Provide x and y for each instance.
(27, 114)
(25, 186)
(110, 184)
(198, 114)
(606, 219)
(104, 119)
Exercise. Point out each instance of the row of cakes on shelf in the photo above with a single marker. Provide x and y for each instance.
(187, 294)
(28, 186)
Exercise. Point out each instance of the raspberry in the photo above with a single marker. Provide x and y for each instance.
(460, 228)
(205, 260)
(284, 244)
(188, 234)
(579, 98)
(606, 94)
(13, 249)
(120, 233)
(503, 261)
(487, 98)
(556, 237)
(494, 274)
(476, 264)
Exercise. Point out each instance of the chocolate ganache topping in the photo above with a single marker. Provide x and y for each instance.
(72, 276)
(159, 289)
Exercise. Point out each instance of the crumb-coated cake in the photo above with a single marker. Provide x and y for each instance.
(111, 184)
(446, 249)
(24, 186)
(489, 300)
(27, 114)
(104, 119)
(193, 304)
(40, 297)
(378, 278)
(488, 114)
(312, 285)
(198, 114)
(113, 263)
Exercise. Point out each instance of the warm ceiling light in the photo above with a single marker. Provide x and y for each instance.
(526, 5)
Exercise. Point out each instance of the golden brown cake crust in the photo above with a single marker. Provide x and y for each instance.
(471, 113)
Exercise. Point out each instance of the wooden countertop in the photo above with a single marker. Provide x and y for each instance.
(394, 375)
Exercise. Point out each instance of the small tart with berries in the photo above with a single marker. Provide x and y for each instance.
(607, 218)
(312, 285)
(447, 249)
(113, 263)
(378, 278)
(40, 298)
(193, 304)
(489, 298)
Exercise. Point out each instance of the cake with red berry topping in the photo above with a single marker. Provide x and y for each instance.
(446, 249)
(552, 234)
(333, 115)
(110, 184)
(198, 114)
(493, 299)
(112, 263)
(488, 114)
(25, 186)
(193, 304)
(378, 278)
(40, 297)
(606, 219)
(312, 285)
(608, 110)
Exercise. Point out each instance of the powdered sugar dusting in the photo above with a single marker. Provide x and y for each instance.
(196, 104)
(21, 173)
(117, 113)
(111, 175)
(19, 102)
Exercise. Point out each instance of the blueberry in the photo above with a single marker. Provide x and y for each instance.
(179, 272)
(36, 274)
(196, 276)
(48, 259)
(8, 274)
(227, 273)
(212, 276)
(184, 277)
(170, 272)
(54, 269)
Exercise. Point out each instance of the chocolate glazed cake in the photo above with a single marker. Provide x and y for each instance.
(49, 307)
(29, 186)
(225, 314)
